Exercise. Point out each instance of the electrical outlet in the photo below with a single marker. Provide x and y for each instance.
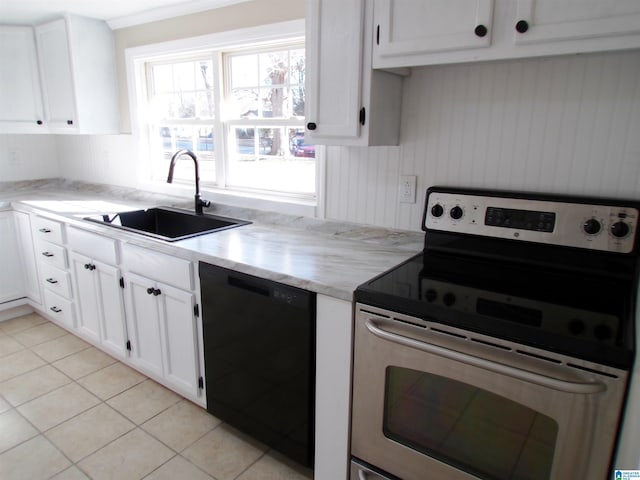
(408, 188)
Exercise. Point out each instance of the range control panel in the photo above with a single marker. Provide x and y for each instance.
(607, 228)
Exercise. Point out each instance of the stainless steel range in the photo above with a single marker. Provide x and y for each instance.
(503, 351)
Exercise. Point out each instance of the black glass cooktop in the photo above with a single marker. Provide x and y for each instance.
(587, 316)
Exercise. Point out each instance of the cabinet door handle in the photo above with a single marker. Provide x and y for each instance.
(150, 290)
(55, 309)
(157, 292)
(47, 254)
(311, 126)
(44, 230)
(481, 31)
(522, 26)
(89, 266)
(52, 280)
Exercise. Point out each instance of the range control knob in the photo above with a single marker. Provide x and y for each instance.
(591, 226)
(431, 295)
(437, 210)
(619, 229)
(449, 299)
(577, 326)
(456, 213)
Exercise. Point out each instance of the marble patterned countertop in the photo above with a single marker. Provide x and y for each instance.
(325, 257)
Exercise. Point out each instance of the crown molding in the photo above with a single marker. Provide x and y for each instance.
(162, 13)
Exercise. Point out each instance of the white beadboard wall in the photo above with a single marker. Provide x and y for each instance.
(28, 157)
(565, 125)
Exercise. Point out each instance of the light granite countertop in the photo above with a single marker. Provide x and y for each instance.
(325, 257)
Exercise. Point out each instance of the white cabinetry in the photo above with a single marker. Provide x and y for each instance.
(348, 103)
(162, 321)
(20, 96)
(543, 21)
(334, 335)
(28, 257)
(49, 238)
(99, 293)
(11, 276)
(77, 67)
(415, 33)
(410, 27)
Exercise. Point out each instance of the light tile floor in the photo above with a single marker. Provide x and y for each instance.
(69, 411)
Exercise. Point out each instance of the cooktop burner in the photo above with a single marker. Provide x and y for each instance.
(523, 269)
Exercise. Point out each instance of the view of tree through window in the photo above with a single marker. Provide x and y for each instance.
(249, 135)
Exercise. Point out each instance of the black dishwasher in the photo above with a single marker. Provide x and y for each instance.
(259, 353)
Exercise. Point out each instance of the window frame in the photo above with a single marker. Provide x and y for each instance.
(136, 58)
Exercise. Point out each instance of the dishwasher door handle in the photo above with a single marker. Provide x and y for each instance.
(581, 388)
(248, 286)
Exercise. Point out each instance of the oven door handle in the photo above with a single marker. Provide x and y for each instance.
(581, 388)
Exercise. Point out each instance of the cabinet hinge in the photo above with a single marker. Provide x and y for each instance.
(378, 35)
(121, 282)
(200, 383)
(128, 345)
(196, 310)
(363, 116)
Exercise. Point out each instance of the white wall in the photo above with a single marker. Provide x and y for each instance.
(566, 124)
(28, 157)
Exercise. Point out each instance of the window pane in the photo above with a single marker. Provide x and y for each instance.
(297, 79)
(244, 71)
(265, 161)
(244, 103)
(167, 139)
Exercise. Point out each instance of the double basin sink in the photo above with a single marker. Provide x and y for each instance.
(166, 223)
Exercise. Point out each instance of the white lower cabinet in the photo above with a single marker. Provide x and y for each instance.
(100, 303)
(163, 333)
(28, 257)
(11, 272)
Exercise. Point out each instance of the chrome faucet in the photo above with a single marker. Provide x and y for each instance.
(199, 201)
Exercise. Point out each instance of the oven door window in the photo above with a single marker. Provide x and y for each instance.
(467, 427)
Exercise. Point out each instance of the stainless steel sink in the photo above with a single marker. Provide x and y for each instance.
(166, 223)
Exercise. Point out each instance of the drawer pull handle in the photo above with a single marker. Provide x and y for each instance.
(52, 280)
(47, 254)
(55, 309)
(157, 292)
(45, 230)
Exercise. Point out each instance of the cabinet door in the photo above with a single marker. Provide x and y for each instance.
(11, 271)
(20, 95)
(27, 257)
(111, 307)
(57, 75)
(334, 58)
(180, 339)
(144, 324)
(410, 27)
(87, 299)
(541, 21)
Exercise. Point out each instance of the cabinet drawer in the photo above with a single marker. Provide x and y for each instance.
(51, 254)
(59, 308)
(49, 230)
(158, 266)
(92, 245)
(56, 280)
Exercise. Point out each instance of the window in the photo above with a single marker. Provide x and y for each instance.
(239, 108)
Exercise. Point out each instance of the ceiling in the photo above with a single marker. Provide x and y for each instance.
(118, 13)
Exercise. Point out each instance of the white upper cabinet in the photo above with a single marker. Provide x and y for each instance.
(542, 21)
(20, 96)
(410, 27)
(77, 68)
(430, 32)
(348, 103)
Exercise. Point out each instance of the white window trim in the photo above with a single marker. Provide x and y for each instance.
(135, 59)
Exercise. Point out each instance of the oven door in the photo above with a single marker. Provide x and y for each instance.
(431, 401)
